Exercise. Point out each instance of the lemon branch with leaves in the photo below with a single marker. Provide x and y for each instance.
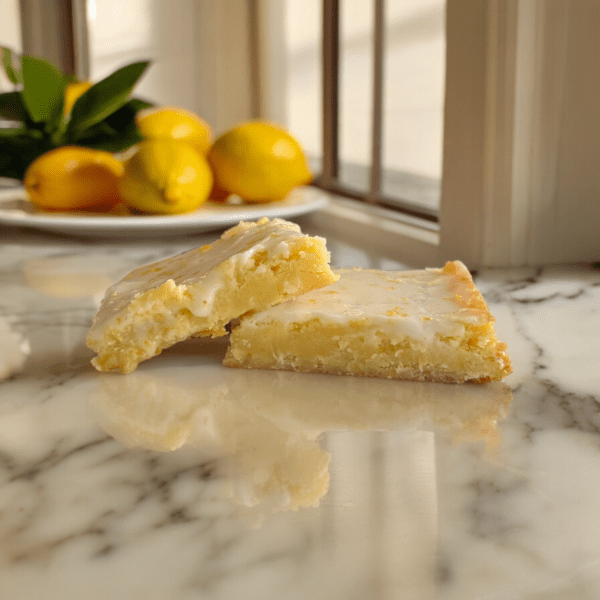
(33, 119)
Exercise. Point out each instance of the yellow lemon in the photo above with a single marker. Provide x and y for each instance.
(165, 177)
(74, 178)
(73, 91)
(174, 123)
(258, 161)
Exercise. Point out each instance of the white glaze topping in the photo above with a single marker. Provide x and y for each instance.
(198, 267)
(414, 303)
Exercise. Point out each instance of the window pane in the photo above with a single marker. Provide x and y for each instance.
(413, 100)
(356, 93)
(304, 89)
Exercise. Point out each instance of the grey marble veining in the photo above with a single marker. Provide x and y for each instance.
(185, 480)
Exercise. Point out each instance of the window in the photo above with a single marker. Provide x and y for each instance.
(367, 80)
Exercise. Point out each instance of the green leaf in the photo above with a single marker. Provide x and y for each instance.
(11, 71)
(18, 151)
(117, 132)
(125, 116)
(102, 129)
(115, 143)
(43, 90)
(105, 97)
(12, 107)
(10, 131)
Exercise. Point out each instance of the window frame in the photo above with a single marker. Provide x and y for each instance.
(507, 66)
(329, 179)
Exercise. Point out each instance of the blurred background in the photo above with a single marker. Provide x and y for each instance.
(384, 95)
(237, 59)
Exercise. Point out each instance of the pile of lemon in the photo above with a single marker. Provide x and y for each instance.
(176, 168)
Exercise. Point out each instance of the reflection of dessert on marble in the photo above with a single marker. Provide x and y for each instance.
(266, 465)
(426, 325)
(266, 425)
(297, 402)
(68, 276)
(251, 267)
(141, 410)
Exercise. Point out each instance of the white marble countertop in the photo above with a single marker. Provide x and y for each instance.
(186, 480)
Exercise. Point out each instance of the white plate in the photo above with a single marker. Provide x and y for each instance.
(16, 210)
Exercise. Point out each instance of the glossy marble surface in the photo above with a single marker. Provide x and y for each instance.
(187, 480)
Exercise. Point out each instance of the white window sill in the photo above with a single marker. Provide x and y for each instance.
(403, 238)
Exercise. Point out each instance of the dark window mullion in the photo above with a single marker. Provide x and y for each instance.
(331, 43)
(377, 114)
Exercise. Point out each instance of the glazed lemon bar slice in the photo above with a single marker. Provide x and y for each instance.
(425, 325)
(253, 266)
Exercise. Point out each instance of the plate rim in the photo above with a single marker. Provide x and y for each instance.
(314, 199)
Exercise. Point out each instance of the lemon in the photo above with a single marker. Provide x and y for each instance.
(165, 177)
(74, 178)
(175, 123)
(73, 91)
(258, 161)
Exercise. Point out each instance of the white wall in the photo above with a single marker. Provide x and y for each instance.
(573, 227)
(521, 181)
(10, 31)
(199, 52)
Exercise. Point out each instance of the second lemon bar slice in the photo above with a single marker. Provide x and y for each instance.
(425, 325)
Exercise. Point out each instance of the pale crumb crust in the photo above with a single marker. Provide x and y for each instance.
(362, 348)
(314, 348)
(161, 317)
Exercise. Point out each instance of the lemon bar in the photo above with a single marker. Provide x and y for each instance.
(424, 325)
(252, 266)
